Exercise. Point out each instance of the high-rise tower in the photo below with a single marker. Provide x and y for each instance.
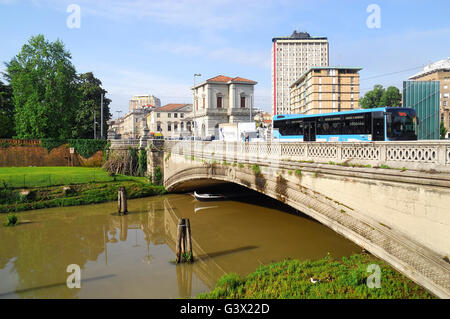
(291, 57)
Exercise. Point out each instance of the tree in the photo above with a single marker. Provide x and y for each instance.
(372, 98)
(442, 131)
(44, 86)
(391, 97)
(379, 97)
(90, 91)
(6, 111)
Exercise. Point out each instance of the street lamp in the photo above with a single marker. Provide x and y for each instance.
(193, 105)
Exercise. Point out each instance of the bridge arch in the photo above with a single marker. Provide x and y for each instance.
(324, 192)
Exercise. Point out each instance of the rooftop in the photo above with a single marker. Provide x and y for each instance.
(171, 107)
(227, 79)
(299, 36)
(300, 79)
(441, 65)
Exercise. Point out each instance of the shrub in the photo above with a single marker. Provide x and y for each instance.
(157, 176)
(256, 169)
(11, 219)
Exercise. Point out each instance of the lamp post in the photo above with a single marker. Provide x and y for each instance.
(194, 105)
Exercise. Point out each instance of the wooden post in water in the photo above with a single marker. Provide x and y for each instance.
(180, 232)
(184, 241)
(189, 241)
(122, 201)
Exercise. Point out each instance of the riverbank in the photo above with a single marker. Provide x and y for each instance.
(16, 200)
(326, 278)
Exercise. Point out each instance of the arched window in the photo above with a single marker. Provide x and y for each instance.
(219, 100)
(242, 100)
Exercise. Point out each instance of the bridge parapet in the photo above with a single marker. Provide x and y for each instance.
(416, 155)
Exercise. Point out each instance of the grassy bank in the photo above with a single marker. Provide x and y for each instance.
(15, 177)
(65, 186)
(15, 200)
(346, 278)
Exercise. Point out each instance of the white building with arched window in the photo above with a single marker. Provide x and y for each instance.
(221, 99)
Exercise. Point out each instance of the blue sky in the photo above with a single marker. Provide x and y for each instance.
(155, 46)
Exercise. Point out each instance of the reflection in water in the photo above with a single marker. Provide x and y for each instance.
(132, 256)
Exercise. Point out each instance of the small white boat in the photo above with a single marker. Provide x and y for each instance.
(208, 197)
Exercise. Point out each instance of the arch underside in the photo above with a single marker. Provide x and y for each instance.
(407, 256)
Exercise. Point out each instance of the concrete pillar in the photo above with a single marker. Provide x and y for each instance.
(155, 158)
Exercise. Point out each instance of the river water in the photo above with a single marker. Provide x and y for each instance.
(133, 256)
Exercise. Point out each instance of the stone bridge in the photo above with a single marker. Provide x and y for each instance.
(391, 198)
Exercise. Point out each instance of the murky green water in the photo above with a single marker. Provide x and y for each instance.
(132, 256)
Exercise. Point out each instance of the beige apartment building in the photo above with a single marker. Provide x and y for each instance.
(170, 120)
(325, 90)
(291, 57)
(439, 71)
(141, 101)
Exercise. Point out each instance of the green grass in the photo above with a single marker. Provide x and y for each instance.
(346, 278)
(26, 177)
(11, 200)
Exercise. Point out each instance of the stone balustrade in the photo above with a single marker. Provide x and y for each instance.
(417, 155)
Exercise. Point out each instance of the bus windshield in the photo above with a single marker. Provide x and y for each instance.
(402, 124)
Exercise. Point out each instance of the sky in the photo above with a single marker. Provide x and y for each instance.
(156, 46)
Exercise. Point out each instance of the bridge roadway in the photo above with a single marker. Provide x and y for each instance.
(391, 198)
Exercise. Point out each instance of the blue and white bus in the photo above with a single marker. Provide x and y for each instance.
(379, 124)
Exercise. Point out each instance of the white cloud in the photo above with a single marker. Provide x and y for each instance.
(217, 14)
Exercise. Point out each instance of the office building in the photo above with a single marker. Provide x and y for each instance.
(325, 90)
(423, 96)
(439, 71)
(291, 57)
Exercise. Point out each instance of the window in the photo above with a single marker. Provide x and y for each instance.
(182, 115)
(175, 115)
(219, 102)
(242, 101)
(182, 125)
(444, 103)
(203, 102)
(175, 126)
(158, 114)
(169, 115)
(169, 127)
(158, 127)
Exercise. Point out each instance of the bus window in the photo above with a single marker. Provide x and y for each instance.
(401, 125)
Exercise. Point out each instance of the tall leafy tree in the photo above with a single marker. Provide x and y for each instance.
(391, 97)
(44, 86)
(6, 111)
(372, 98)
(90, 90)
(442, 131)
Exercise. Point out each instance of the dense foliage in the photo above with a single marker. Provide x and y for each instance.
(90, 90)
(43, 81)
(46, 98)
(6, 111)
(380, 97)
(322, 279)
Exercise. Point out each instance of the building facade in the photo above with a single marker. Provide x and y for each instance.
(291, 57)
(439, 71)
(423, 97)
(221, 99)
(130, 125)
(170, 120)
(141, 101)
(325, 90)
